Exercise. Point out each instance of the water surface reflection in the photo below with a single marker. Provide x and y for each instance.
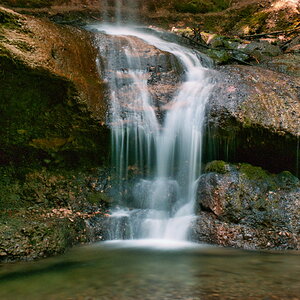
(123, 270)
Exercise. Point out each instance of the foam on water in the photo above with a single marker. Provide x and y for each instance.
(159, 244)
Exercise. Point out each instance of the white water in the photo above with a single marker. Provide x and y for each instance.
(118, 11)
(169, 153)
(155, 244)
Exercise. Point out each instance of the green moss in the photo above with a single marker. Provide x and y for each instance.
(254, 173)
(284, 21)
(219, 56)
(27, 215)
(23, 46)
(271, 151)
(36, 236)
(48, 188)
(217, 166)
(52, 144)
(231, 21)
(98, 197)
(255, 22)
(286, 179)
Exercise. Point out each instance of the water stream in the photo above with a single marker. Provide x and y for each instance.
(122, 271)
(165, 147)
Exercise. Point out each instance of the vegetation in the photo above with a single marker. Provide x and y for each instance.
(8, 20)
(217, 166)
(190, 6)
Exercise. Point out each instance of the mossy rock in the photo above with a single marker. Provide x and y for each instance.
(29, 236)
(24, 188)
(217, 166)
(250, 196)
(8, 20)
(219, 56)
(252, 172)
(286, 179)
(44, 211)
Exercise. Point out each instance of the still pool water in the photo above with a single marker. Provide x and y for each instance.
(153, 270)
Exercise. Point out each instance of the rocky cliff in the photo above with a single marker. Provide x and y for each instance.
(52, 113)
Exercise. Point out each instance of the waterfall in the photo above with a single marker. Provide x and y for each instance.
(119, 11)
(165, 148)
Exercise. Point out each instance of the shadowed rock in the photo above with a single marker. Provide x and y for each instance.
(51, 96)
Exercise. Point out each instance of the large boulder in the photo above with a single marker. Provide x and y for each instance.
(246, 207)
(254, 116)
(51, 97)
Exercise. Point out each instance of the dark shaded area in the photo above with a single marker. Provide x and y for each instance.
(42, 122)
(200, 6)
(28, 3)
(254, 145)
(57, 267)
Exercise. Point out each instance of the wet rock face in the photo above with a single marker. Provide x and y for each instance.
(257, 97)
(255, 113)
(246, 207)
(160, 69)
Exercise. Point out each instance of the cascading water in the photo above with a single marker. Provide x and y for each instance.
(164, 147)
(119, 11)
